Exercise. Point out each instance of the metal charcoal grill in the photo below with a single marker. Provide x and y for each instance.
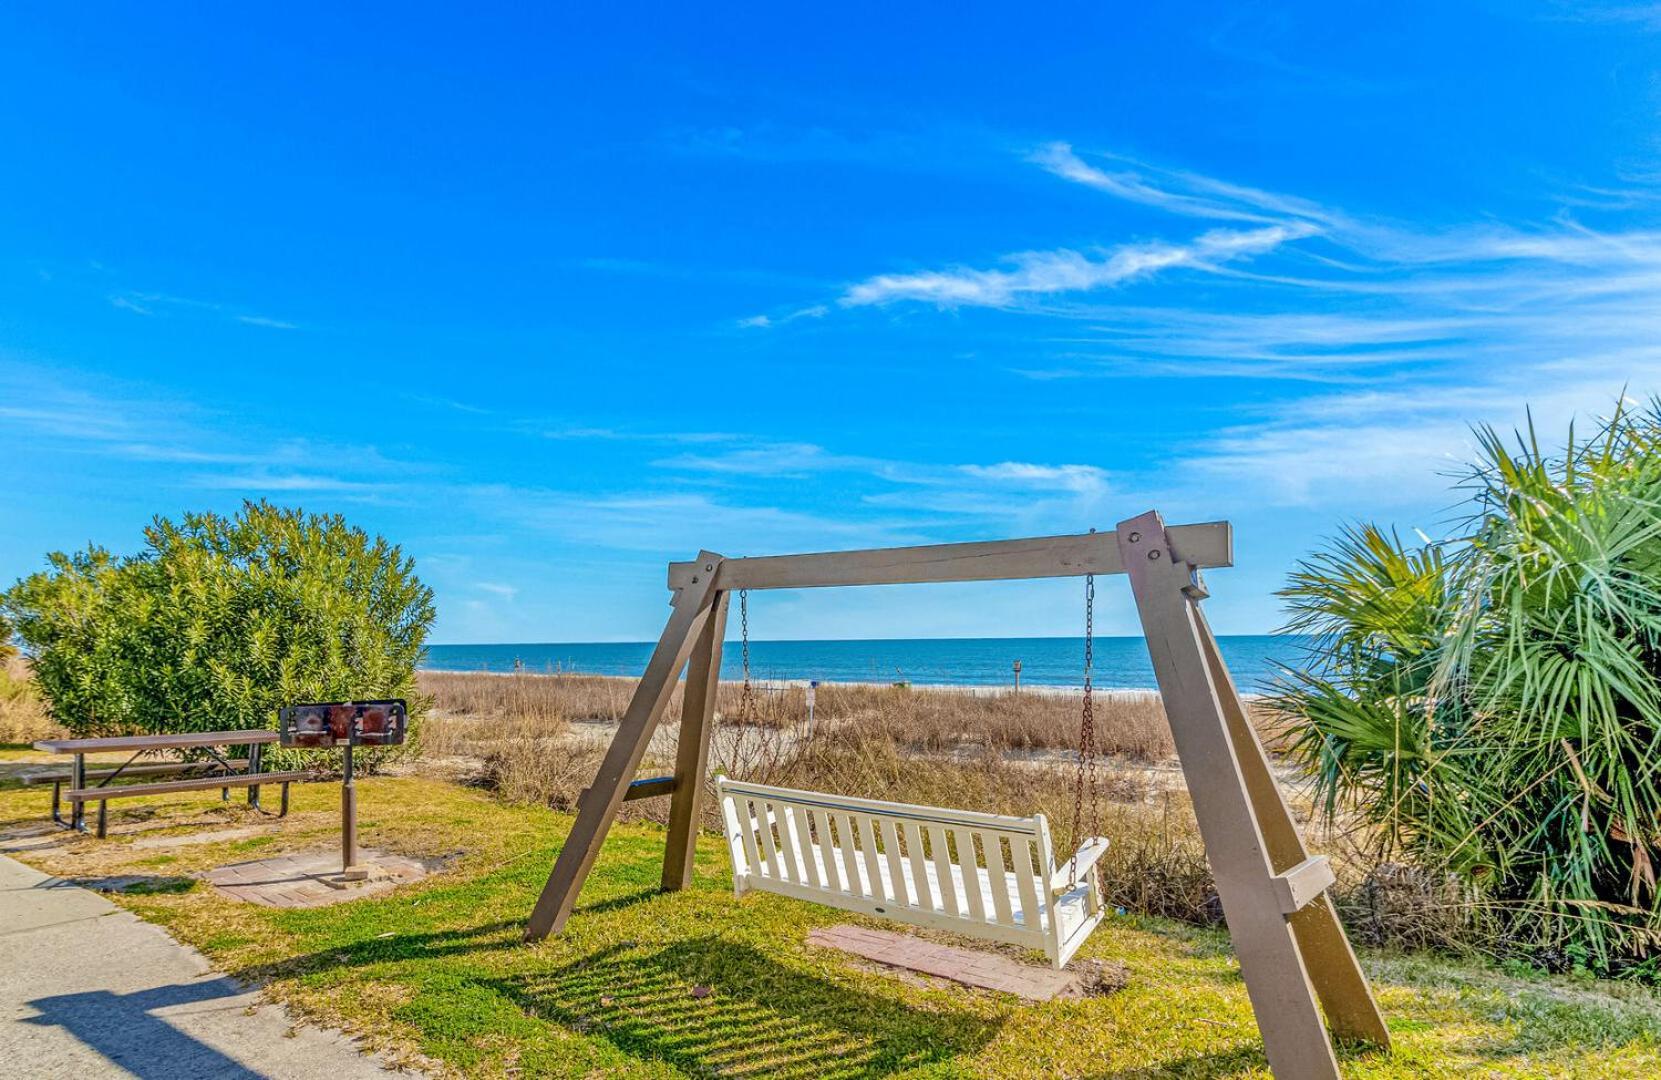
(321, 725)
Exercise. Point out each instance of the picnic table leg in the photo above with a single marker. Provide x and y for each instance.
(57, 815)
(254, 769)
(78, 780)
(284, 811)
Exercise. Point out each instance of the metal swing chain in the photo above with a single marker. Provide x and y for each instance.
(1087, 734)
(747, 697)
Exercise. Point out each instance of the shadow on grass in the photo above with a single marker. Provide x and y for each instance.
(505, 934)
(1220, 1063)
(710, 1006)
(1249, 1057)
(618, 903)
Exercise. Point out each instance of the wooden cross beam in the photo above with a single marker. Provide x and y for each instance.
(1286, 933)
(1205, 546)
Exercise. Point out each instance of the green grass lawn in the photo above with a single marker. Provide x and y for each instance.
(438, 969)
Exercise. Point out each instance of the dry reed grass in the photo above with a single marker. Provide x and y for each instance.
(23, 715)
(920, 718)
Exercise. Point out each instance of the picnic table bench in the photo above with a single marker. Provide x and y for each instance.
(222, 772)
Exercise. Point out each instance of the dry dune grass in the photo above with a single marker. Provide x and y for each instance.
(936, 719)
(469, 708)
(23, 716)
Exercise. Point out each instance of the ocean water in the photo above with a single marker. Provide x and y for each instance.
(1121, 662)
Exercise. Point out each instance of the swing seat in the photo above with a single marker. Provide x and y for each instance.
(982, 875)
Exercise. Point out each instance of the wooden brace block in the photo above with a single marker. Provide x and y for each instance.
(1303, 883)
(650, 787)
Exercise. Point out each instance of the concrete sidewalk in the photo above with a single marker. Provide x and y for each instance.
(90, 990)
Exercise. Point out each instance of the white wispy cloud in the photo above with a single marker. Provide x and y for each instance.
(985, 499)
(264, 480)
(586, 432)
(1088, 479)
(1045, 273)
(677, 523)
(1188, 194)
(126, 422)
(1026, 276)
(127, 303)
(770, 459)
(153, 303)
(1406, 333)
(261, 320)
(762, 322)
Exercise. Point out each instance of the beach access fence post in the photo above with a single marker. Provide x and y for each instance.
(1285, 930)
(1017, 676)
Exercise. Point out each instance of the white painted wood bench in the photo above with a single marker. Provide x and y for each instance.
(981, 875)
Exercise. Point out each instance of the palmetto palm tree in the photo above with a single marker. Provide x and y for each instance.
(1493, 702)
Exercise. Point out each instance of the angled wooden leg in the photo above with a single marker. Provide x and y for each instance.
(598, 809)
(703, 677)
(1271, 961)
(1351, 1010)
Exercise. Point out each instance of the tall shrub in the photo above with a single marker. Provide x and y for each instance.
(219, 621)
(1494, 702)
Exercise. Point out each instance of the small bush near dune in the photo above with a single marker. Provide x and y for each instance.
(219, 621)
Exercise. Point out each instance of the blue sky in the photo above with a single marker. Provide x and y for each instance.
(554, 297)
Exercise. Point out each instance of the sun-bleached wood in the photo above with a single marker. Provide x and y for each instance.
(1210, 544)
(1346, 998)
(703, 675)
(825, 849)
(1236, 803)
(596, 813)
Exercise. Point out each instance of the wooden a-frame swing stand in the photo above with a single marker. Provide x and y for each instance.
(1291, 947)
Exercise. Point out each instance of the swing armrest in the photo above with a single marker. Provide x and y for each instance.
(1089, 853)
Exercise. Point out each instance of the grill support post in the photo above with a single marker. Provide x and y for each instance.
(350, 870)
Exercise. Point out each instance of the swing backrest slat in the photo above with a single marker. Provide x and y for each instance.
(926, 865)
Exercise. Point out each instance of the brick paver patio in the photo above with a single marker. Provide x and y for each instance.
(988, 971)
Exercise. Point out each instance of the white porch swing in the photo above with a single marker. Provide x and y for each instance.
(989, 876)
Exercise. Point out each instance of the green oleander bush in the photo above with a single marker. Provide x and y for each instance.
(219, 621)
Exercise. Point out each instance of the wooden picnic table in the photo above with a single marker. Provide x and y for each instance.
(223, 772)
